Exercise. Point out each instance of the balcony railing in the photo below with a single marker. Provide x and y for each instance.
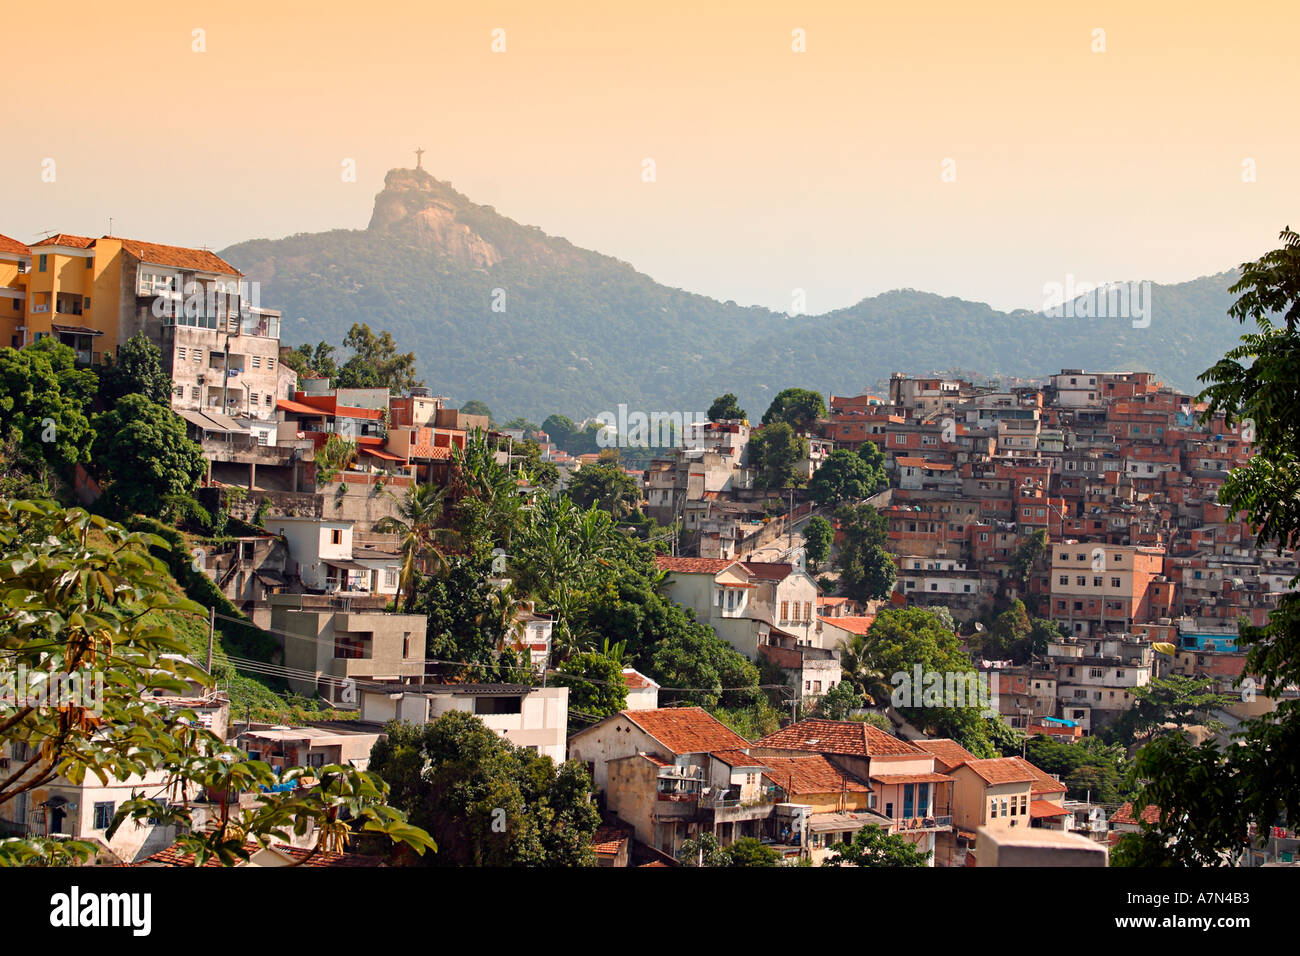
(903, 824)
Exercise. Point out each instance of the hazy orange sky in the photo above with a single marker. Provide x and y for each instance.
(775, 170)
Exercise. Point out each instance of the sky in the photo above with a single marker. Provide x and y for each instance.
(975, 150)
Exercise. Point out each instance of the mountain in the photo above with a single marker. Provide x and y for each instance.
(531, 324)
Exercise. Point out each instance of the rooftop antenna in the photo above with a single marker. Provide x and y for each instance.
(110, 225)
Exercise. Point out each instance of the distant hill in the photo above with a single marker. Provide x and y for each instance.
(582, 332)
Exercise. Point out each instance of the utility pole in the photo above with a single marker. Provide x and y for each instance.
(212, 627)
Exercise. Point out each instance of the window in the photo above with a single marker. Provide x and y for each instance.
(180, 352)
(252, 398)
(785, 611)
(179, 391)
(1096, 582)
(390, 577)
(44, 261)
(257, 361)
(498, 705)
(336, 536)
(1063, 580)
(270, 364)
(993, 808)
(90, 262)
(269, 399)
(103, 811)
(1114, 582)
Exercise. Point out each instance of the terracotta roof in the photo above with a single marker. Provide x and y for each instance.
(635, 680)
(13, 246)
(1000, 770)
(855, 624)
(894, 778)
(609, 839)
(178, 257)
(810, 774)
(948, 753)
(686, 730)
(768, 570)
(67, 239)
(692, 565)
(1043, 782)
(852, 737)
(1041, 809)
(737, 758)
(1150, 814)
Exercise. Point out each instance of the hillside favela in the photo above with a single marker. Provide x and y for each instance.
(439, 541)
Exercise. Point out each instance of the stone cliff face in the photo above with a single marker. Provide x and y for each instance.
(414, 202)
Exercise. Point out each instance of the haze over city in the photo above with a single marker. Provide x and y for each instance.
(1164, 156)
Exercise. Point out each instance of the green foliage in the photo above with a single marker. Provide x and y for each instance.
(85, 594)
(1174, 700)
(143, 451)
(837, 702)
(1210, 797)
(318, 361)
(135, 370)
(797, 407)
(1030, 551)
(817, 536)
(486, 802)
(605, 486)
(725, 408)
(874, 846)
(42, 400)
(1087, 766)
(596, 686)
(475, 407)
(375, 362)
(844, 476)
(900, 639)
(335, 456)
(774, 450)
(867, 570)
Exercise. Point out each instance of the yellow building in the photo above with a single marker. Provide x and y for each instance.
(15, 263)
(219, 346)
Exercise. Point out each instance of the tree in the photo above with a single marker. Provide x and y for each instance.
(309, 362)
(797, 407)
(817, 537)
(844, 476)
(335, 456)
(607, 487)
(85, 595)
(726, 407)
(1026, 556)
(838, 702)
(747, 851)
(1087, 767)
(596, 686)
(863, 671)
(867, 570)
(875, 846)
(702, 850)
(485, 801)
(558, 429)
(423, 542)
(42, 400)
(903, 639)
(1170, 704)
(143, 451)
(475, 407)
(774, 451)
(135, 370)
(376, 362)
(1211, 798)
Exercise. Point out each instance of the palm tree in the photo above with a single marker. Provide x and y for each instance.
(861, 669)
(419, 512)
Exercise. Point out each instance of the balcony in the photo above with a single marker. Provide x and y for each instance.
(921, 824)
